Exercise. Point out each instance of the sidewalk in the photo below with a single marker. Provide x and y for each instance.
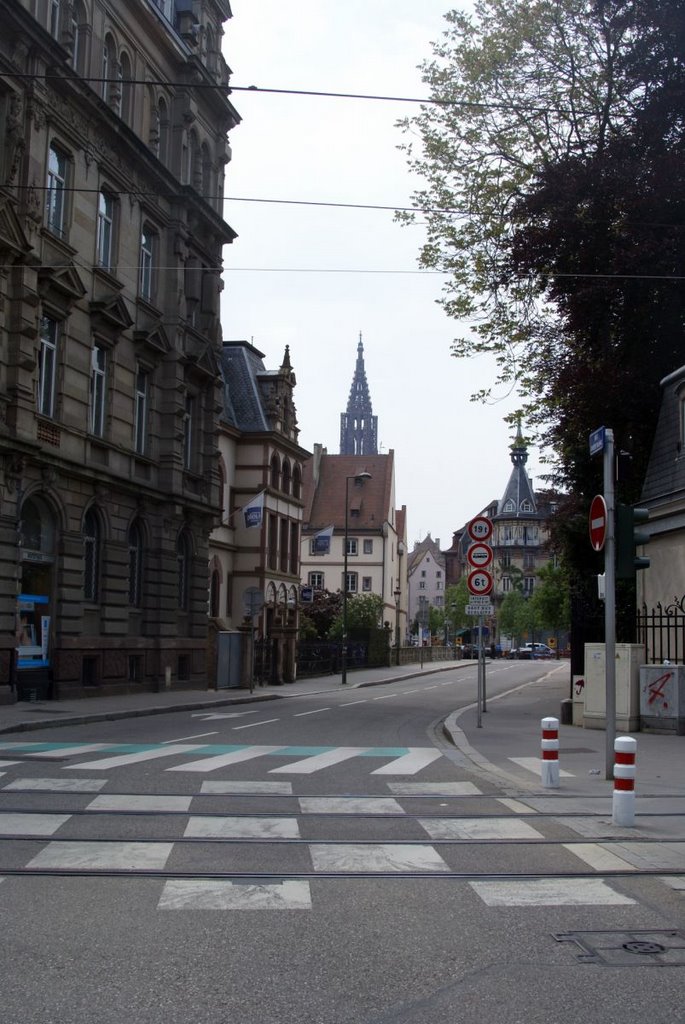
(506, 750)
(24, 715)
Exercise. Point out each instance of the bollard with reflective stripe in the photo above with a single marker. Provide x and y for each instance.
(623, 804)
(549, 762)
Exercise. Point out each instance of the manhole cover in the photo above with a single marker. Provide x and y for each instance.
(635, 948)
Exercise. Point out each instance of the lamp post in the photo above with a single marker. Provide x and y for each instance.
(356, 477)
(397, 595)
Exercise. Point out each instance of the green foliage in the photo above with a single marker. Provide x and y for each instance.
(317, 618)
(551, 598)
(363, 612)
(554, 199)
(456, 599)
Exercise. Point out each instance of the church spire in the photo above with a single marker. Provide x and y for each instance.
(358, 425)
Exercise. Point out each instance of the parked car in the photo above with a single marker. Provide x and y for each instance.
(531, 651)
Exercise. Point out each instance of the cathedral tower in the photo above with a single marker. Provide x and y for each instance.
(358, 425)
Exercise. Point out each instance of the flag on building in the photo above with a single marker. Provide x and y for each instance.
(321, 541)
(253, 511)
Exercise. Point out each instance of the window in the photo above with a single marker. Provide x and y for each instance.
(528, 560)
(55, 205)
(126, 100)
(215, 594)
(297, 482)
(315, 580)
(183, 571)
(438, 584)
(438, 574)
(163, 112)
(528, 584)
(285, 534)
(91, 556)
(47, 366)
(509, 506)
(135, 565)
(275, 471)
(105, 230)
(506, 584)
(273, 541)
(285, 478)
(109, 54)
(148, 254)
(351, 581)
(188, 432)
(141, 410)
(54, 18)
(422, 584)
(294, 549)
(505, 560)
(351, 545)
(78, 22)
(98, 390)
(439, 601)
(368, 546)
(526, 506)
(423, 572)
(366, 584)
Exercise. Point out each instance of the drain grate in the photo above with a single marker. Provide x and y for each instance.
(664, 948)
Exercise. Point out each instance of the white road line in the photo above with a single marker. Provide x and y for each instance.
(242, 828)
(82, 748)
(550, 892)
(349, 805)
(251, 725)
(31, 824)
(8, 764)
(58, 785)
(210, 764)
(109, 854)
(352, 703)
(219, 894)
(139, 802)
(598, 857)
(385, 696)
(411, 763)
(532, 764)
(227, 787)
(317, 761)
(141, 755)
(197, 736)
(316, 711)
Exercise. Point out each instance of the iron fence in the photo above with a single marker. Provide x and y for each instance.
(322, 657)
(662, 632)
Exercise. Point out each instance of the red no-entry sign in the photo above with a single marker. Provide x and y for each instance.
(598, 522)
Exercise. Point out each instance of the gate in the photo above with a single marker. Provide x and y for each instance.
(662, 632)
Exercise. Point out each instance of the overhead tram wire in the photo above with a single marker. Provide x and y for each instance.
(485, 105)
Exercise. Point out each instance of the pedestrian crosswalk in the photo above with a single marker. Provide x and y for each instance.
(203, 758)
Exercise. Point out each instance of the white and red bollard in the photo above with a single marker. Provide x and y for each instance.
(623, 804)
(549, 763)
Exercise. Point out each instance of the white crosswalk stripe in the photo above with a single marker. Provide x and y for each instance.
(318, 761)
(210, 764)
(210, 894)
(136, 758)
(411, 763)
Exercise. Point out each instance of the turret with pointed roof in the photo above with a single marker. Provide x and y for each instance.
(519, 497)
(358, 426)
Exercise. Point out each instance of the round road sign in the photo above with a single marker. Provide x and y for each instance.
(598, 522)
(479, 555)
(479, 581)
(480, 528)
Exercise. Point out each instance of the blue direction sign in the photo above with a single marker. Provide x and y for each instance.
(597, 440)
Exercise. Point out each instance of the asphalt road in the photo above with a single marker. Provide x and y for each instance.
(323, 859)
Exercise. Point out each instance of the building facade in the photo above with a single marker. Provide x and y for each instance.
(114, 116)
(352, 500)
(426, 580)
(261, 471)
(520, 538)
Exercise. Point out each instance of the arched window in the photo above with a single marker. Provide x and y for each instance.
(54, 15)
(135, 564)
(215, 594)
(109, 60)
(297, 482)
(183, 554)
(78, 31)
(37, 528)
(126, 102)
(91, 556)
(285, 478)
(275, 470)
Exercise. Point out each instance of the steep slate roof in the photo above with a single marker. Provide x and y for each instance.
(240, 364)
(424, 547)
(519, 489)
(665, 477)
(325, 505)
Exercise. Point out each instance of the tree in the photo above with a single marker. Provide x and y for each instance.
(317, 618)
(551, 599)
(511, 615)
(554, 166)
(364, 611)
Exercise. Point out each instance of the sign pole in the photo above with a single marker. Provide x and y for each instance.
(610, 602)
(481, 657)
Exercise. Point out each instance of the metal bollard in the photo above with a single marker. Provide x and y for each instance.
(623, 803)
(549, 764)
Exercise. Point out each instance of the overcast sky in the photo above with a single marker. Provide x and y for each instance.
(313, 277)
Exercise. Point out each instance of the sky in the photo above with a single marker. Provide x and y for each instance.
(314, 277)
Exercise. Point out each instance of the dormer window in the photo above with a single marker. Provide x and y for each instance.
(509, 506)
(526, 506)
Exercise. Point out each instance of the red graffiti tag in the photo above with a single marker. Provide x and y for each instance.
(656, 689)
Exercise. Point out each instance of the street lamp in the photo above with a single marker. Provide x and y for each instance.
(356, 477)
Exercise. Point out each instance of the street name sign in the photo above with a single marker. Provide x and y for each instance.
(598, 522)
(480, 609)
(597, 440)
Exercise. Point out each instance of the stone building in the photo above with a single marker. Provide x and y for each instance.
(261, 468)
(426, 580)
(114, 117)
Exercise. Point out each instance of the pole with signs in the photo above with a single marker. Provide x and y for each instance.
(480, 583)
(603, 534)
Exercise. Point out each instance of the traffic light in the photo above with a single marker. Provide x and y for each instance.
(628, 537)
